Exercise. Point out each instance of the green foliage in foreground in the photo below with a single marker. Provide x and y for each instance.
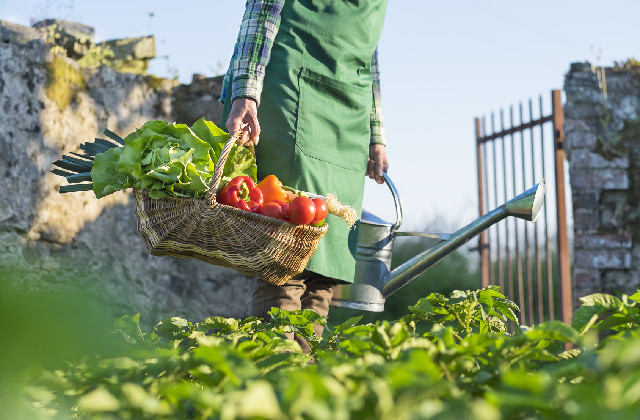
(466, 365)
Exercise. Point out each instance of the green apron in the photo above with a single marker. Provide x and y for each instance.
(315, 109)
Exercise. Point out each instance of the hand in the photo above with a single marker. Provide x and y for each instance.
(377, 163)
(244, 115)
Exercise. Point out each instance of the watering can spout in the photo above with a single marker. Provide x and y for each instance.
(374, 281)
(525, 206)
(528, 204)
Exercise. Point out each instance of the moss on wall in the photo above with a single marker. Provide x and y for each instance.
(64, 81)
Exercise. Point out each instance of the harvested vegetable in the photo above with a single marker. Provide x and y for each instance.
(162, 158)
(272, 209)
(321, 212)
(177, 160)
(302, 210)
(241, 192)
(272, 189)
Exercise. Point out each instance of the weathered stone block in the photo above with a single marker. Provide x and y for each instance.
(601, 259)
(617, 282)
(571, 124)
(586, 159)
(586, 222)
(580, 139)
(17, 34)
(603, 241)
(585, 200)
(580, 67)
(615, 212)
(584, 97)
(588, 279)
(627, 107)
(128, 49)
(73, 30)
(593, 180)
(199, 99)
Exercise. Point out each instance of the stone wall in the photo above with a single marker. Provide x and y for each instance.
(602, 142)
(49, 104)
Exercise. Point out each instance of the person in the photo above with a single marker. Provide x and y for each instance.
(309, 69)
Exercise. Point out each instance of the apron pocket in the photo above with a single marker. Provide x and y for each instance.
(333, 120)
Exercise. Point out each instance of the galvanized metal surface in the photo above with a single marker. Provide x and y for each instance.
(374, 281)
(525, 206)
(373, 259)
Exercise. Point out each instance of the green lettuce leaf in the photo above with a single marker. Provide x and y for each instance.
(106, 177)
(169, 159)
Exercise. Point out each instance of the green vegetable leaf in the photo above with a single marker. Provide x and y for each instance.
(553, 330)
(169, 159)
(98, 400)
(106, 176)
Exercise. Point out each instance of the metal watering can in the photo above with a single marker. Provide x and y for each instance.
(374, 280)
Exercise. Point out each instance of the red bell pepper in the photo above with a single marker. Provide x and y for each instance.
(241, 192)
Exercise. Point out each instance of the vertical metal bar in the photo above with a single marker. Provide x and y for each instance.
(547, 242)
(507, 246)
(482, 246)
(526, 233)
(492, 276)
(563, 239)
(496, 203)
(536, 249)
(517, 239)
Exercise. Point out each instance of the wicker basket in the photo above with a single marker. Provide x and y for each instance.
(258, 246)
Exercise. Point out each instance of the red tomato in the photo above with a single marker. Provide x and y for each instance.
(271, 209)
(302, 210)
(285, 208)
(321, 211)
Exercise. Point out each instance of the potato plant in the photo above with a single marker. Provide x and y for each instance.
(461, 356)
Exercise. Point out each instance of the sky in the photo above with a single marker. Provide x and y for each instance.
(442, 64)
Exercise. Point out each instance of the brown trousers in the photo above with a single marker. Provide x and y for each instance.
(305, 291)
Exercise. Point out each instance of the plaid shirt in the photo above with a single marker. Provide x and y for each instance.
(252, 52)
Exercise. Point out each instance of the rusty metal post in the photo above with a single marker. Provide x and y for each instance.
(482, 245)
(564, 263)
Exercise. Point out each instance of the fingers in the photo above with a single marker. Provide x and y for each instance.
(244, 139)
(234, 121)
(244, 116)
(377, 163)
(254, 127)
(371, 169)
(375, 171)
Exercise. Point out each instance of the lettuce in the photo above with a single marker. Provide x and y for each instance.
(169, 159)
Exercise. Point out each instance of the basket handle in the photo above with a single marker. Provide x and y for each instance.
(217, 174)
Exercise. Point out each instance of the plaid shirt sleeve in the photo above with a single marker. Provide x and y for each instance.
(377, 126)
(253, 49)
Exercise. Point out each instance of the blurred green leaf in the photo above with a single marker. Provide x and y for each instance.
(98, 400)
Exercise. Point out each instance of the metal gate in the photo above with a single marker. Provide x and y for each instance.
(530, 262)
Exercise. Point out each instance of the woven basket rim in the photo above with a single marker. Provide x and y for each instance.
(213, 203)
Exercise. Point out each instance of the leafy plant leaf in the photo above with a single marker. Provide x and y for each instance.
(169, 159)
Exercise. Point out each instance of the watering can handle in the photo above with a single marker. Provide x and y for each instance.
(396, 200)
